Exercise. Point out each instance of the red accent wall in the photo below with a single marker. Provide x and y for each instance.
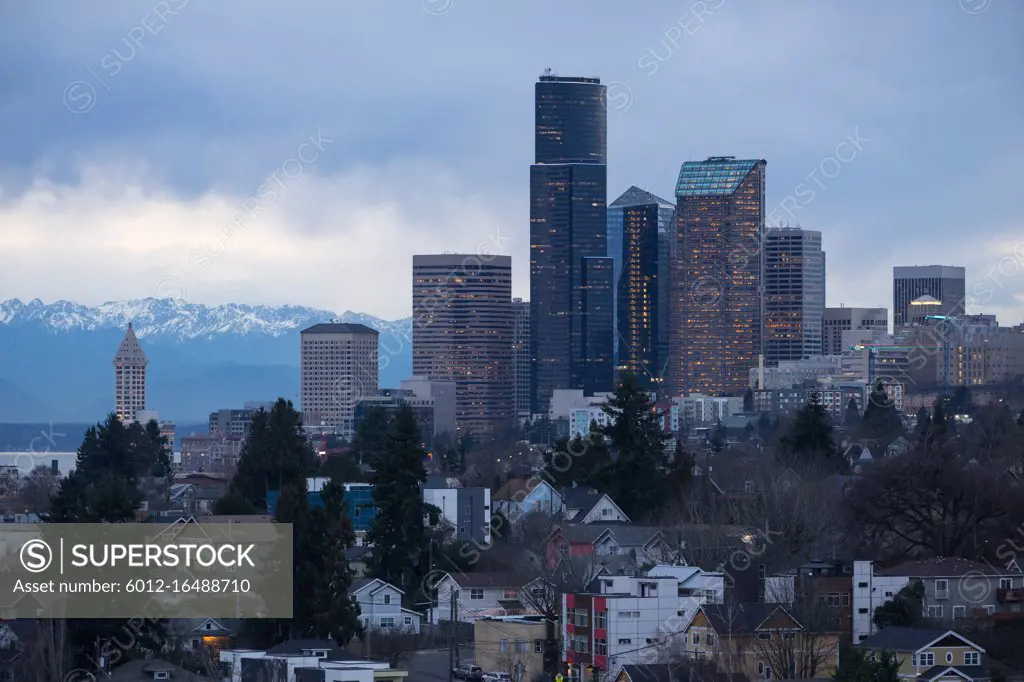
(601, 605)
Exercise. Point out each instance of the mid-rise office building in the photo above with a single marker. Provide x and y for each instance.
(462, 331)
(944, 283)
(794, 294)
(339, 366)
(129, 377)
(639, 241)
(569, 290)
(521, 357)
(231, 422)
(391, 400)
(842, 319)
(716, 321)
(441, 395)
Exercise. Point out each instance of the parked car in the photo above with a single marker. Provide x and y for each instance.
(497, 677)
(469, 672)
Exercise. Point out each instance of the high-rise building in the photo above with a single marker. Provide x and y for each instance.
(568, 224)
(639, 240)
(944, 283)
(462, 331)
(129, 377)
(794, 294)
(521, 356)
(716, 276)
(339, 366)
(842, 319)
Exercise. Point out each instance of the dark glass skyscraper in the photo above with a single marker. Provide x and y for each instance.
(716, 276)
(568, 204)
(640, 227)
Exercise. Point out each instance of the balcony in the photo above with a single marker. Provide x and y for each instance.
(1010, 595)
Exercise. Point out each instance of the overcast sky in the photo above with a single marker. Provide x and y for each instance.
(341, 137)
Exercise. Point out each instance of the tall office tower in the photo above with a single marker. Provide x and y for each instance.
(794, 294)
(521, 356)
(944, 283)
(716, 276)
(639, 239)
(839, 320)
(568, 224)
(462, 331)
(339, 366)
(129, 378)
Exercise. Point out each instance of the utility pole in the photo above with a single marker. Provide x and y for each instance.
(451, 634)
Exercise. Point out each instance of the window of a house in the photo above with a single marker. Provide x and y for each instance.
(972, 658)
(476, 593)
(387, 599)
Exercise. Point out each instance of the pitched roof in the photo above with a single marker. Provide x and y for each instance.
(339, 328)
(742, 618)
(903, 639)
(968, 672)
(942, 567)
(634, 196)
(496, 580)
(511, 488)
(582, 498)
(624, 533)
(142, 670)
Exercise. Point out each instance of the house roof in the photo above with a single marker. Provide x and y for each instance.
(968, 672)
(943, 567)
(297, 646)
(360, 584)
(142, 670)
(908, 639)
(743, 618)
(496, 580)
(656, 672)
(581, 498)
(513, 489)
(625, 534)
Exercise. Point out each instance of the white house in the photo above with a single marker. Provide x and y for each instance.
(646, 544)
(380, 606)
(586, 505)
(295, 659)
(477, 595)
(519, 497)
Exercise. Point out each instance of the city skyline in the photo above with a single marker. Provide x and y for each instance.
(140, 156)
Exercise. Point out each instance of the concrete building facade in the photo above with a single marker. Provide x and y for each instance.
(839, 320)
(944, 283)
(794, 294)
(129, 377)
(338, 367)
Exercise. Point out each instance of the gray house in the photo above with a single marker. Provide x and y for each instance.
(466, 510)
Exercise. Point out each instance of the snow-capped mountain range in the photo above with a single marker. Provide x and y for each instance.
(55, 359)
(183, 321)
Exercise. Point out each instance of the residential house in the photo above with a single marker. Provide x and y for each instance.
(935, 655)
(759, 640)
(954, 589)
(587, 505)
(477, 595)
(466, 510)
(682, 670)
(152, 670)
(304, 660)
(646, 544)
(519, 497)
(621, 619)
(826, 582)
(505, 642)
(357, 558)
(201, 634)
(193, 499)
(380, 606)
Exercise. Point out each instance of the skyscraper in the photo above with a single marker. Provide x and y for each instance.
(339, 366)
(462, 331)
(639, 239)
(568, 208)
(794, 294)
(129, 377)
(521, 356)
(839, 320)
(944, 283)
(716, 276)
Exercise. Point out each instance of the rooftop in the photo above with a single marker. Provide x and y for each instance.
(903, 639)
(943, 567)
(715, 176)
(339, 328)
(634, 196)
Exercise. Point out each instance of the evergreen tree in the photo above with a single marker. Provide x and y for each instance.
(748, 431)
(276, 455)
(859, 665)
(764, 426)
(334, 612)
(809, 439)
(881, 421)
(748, 401)
(923, 423)
(852, 418)
(398, 533)
(717, 437)
(1020, 419)
(580, 461)
(903, 610)
(371, 438)
(939, 426)
(234, 504)
(636, 477)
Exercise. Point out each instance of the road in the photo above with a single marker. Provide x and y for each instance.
(432, 666)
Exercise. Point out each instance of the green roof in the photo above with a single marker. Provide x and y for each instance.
(717, 176)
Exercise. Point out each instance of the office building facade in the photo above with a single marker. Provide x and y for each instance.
(639, 240)
(944, 283)
(794, 294)
(339, 364)
(568, 226)
(716, 319)
(462, 331)
(521, 357)
(842, 319)
(129, 378)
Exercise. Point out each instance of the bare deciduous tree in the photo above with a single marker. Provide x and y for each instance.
(803, 652)
(48, 654)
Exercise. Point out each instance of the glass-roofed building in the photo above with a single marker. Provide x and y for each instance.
(716, 314)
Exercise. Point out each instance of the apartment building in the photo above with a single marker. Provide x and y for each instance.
(339, 366)
(467, 510)
(954, 590)
(503, 643)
